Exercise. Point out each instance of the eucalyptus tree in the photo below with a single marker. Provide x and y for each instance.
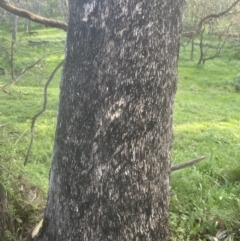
(110, 172)
(109, 177)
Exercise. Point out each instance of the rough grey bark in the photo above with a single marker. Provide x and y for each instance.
(109, 178)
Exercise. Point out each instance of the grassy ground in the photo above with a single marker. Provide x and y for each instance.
(206, 122)
(16, 112)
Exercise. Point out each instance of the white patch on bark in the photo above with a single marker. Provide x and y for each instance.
(100, 170)
(94, 148)
(138, 8)
(88, 8)
(116, 110)
(115, 115)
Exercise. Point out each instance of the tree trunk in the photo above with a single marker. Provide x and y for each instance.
(27, 26)
(14, 40)
(201, 47)
(15, 24)
(192, 47)
(64, 9)
(3, 16)
(15, 28)
(109, 178)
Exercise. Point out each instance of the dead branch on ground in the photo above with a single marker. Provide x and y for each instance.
(37, 42)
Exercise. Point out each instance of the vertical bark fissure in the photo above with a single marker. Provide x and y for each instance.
(110, 173)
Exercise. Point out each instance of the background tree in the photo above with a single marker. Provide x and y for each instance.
(211, 18)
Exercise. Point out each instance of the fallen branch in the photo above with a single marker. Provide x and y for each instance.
(41, 111)
(187, 164)
(37, 42)
(23, 72)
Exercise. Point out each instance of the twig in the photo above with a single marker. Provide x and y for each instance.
(14, 81)
(41, 111)
(187, 164)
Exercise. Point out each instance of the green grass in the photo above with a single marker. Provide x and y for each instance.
(25, 100)
(206, 122)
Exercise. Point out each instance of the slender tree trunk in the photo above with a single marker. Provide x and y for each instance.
(14, 40)
(27, 26)
(27, 22)
(12, 59)
(201, 47)
(3, 16)
(64, 9)
(36, 7)
(15, 24)
(192, 47)
(110, 172)
(15, 28)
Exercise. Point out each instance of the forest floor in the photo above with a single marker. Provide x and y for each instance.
(205, 198)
